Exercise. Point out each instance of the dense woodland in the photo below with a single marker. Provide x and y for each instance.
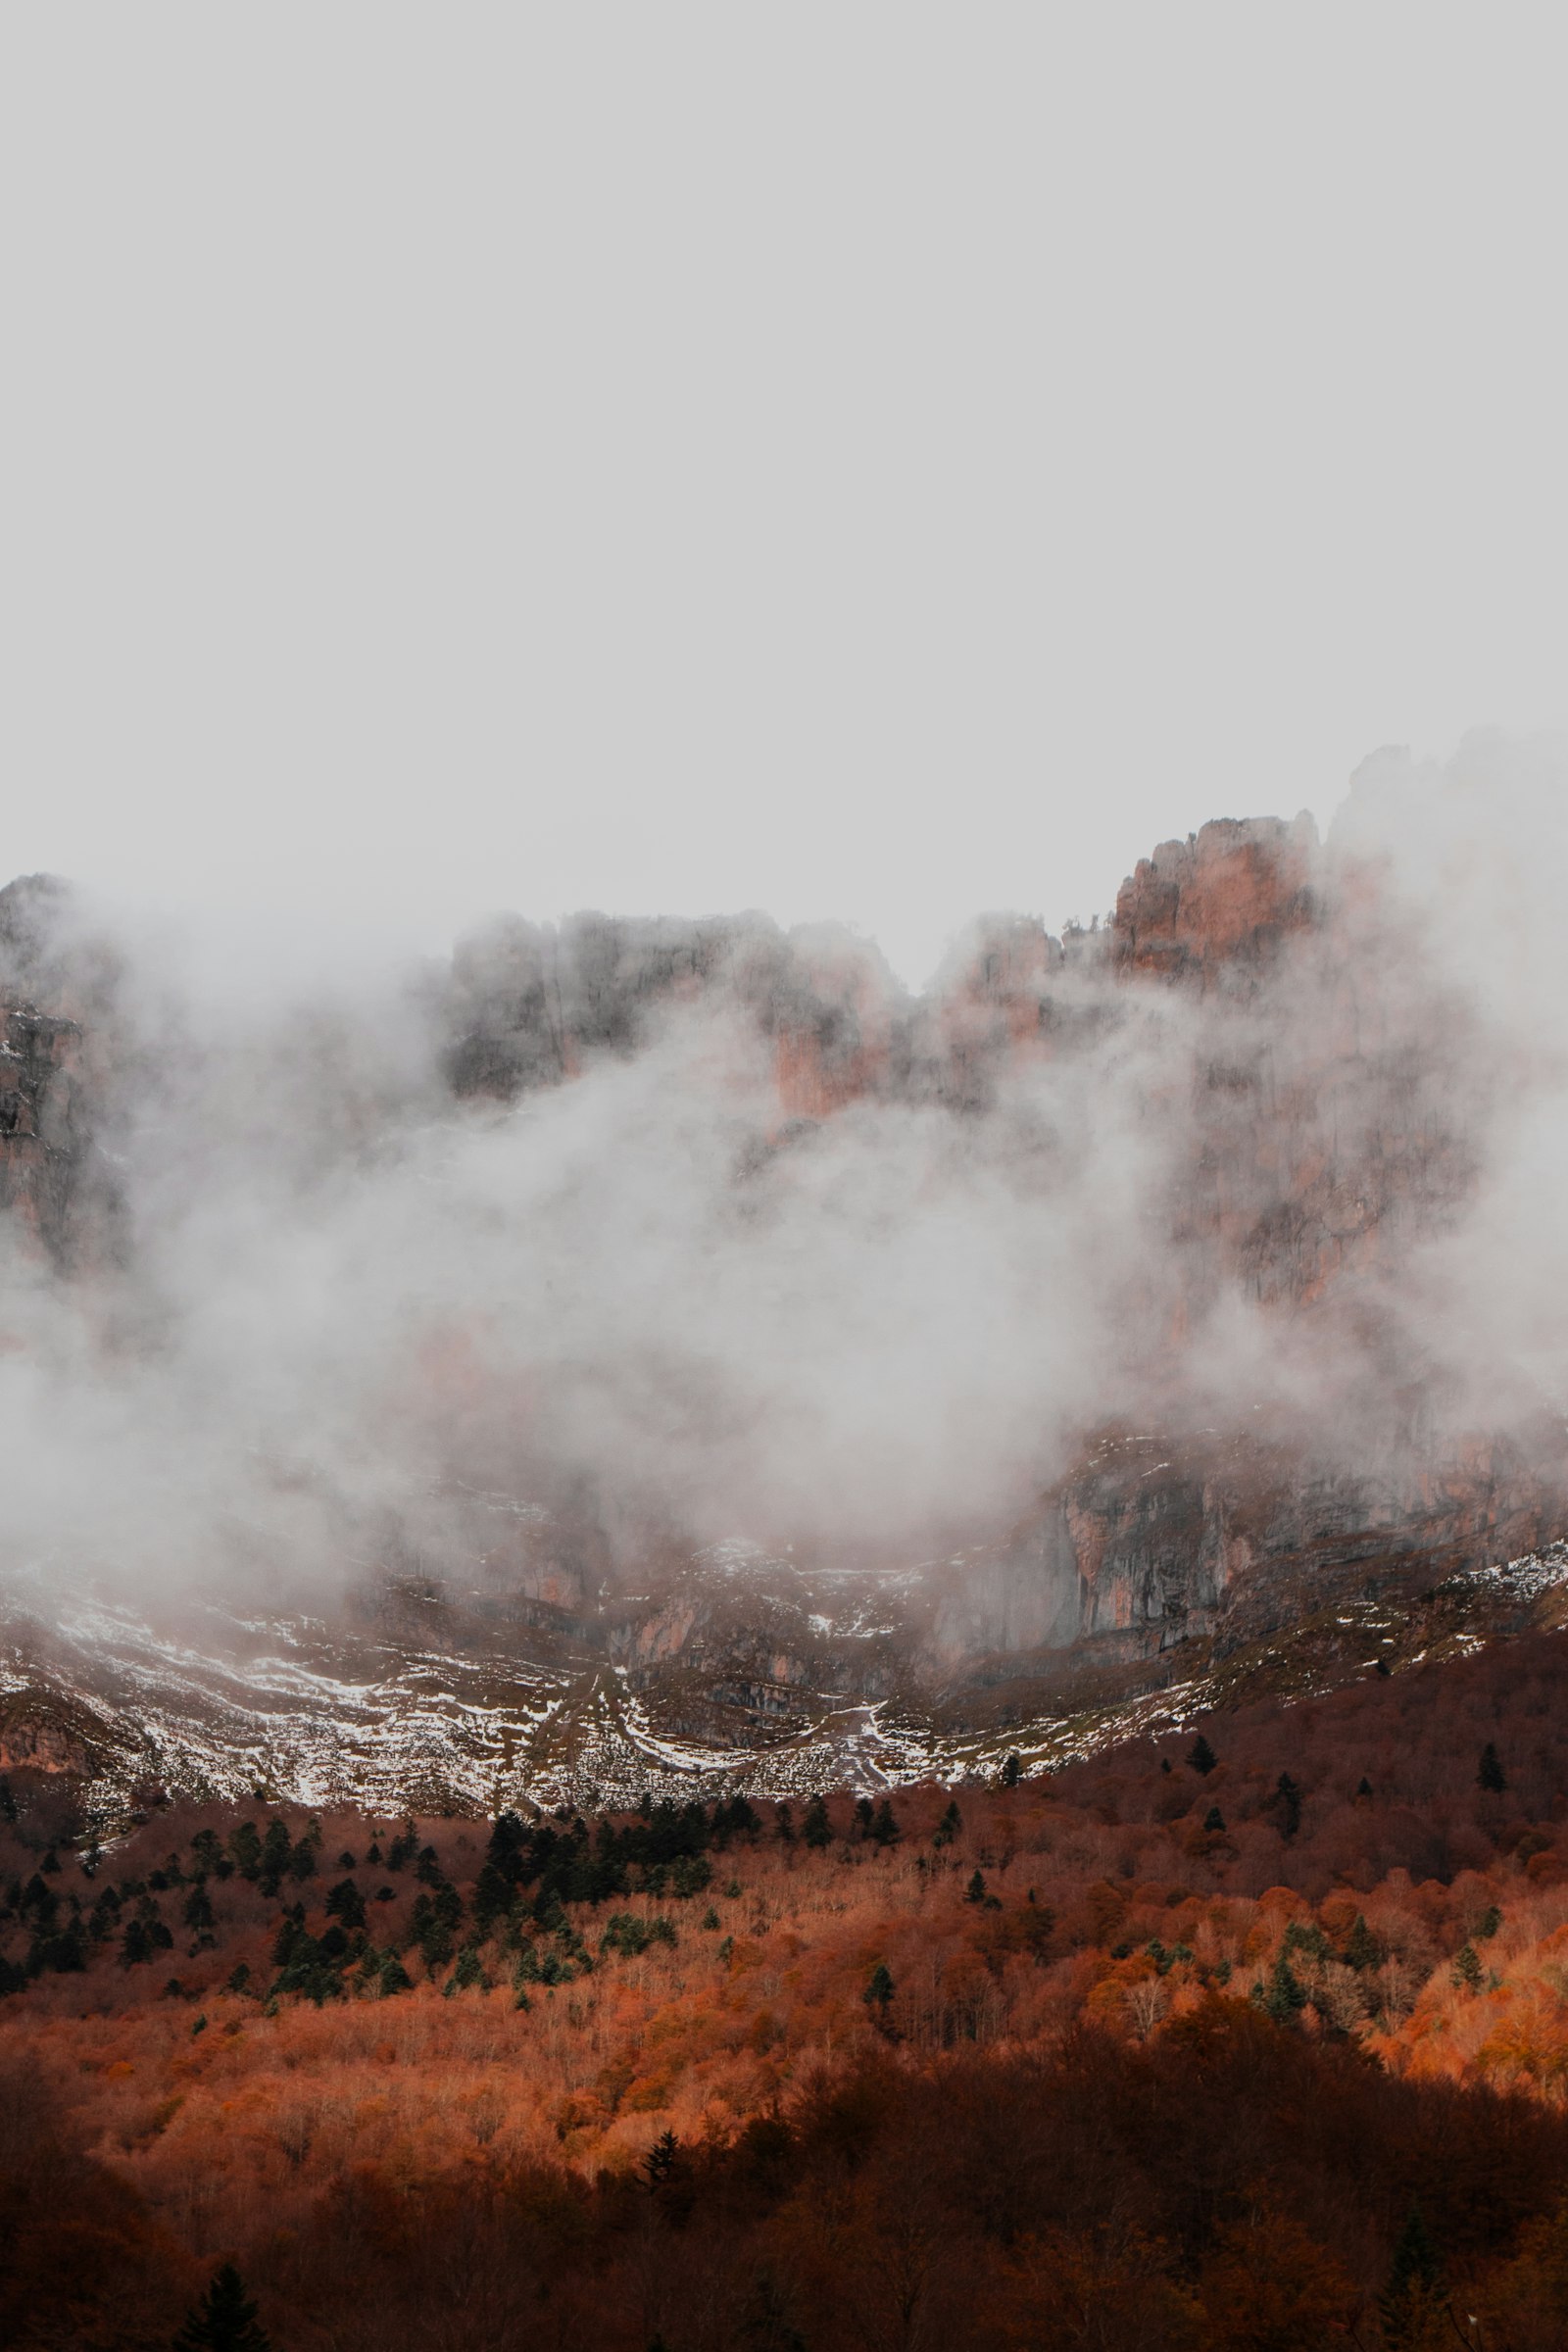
(1255, 2039)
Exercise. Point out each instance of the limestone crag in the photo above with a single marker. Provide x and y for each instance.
(1320, 1098)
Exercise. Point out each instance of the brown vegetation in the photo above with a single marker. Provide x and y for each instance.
(1153, 2053)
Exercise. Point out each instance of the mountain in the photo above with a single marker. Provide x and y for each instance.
(649, 1353)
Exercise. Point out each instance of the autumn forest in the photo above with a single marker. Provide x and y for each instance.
(1255, 2038)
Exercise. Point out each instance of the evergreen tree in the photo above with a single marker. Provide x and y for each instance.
(392, 1977)
(1285, 1995)
(1467, 1970)
(1287, 1797)
(468, 1973)
(492, 1898)
(347, 1903)
(950, 1825)
(1213, 1819)
(885, 1829)
(817, 1830)
(1362, 1950)
(1415, 2283)
(1012, 1771)
(224, 2320)
(135, 1945)
(864, 1810)
(1202, 1757)
(246, 1847)
(975, 1892)
(786, 1825)
(301, 1856)
(879, 1992)
(1491, 1774)
(1363, 1786)
(661, 2160)
(276, 1848)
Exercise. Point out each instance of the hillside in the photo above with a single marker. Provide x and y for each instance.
(1160, 2050)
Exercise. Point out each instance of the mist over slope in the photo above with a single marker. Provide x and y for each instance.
(613, 1242)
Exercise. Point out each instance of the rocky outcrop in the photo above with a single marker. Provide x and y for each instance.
(531, 1005)
(44, 1744)
(1318, 1114)
(1216, 908)
(1150, 1544)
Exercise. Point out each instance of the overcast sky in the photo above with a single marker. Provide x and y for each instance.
(862, 461)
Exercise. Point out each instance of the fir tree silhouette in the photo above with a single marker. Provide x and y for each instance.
(224, 2320)
(1415, 2281)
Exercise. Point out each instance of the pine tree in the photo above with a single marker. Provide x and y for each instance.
(885, 1829)
(879, 1992)
(818, 1829)
(786, 1825)
(276, 1848)
(1012, 1771)
(302, 1856)
(1202, 1757)
(1362, 1950)
(975, 1892)
(1491, 1774)
(224, 2320)
(347, 1903)
(246, 1847)
(661, 2160)
(1415, 2281)
(1467, 1970)
(864, 1810)
(1285, 1995)
(950, 1825)
(1213, 1819)
(392, 1977)
(1287, 1797)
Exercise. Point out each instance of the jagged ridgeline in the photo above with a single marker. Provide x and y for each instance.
(673, 1354)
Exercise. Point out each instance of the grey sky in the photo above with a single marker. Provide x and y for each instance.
(862, 461)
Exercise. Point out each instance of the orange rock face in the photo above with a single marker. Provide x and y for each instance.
(1219, 902)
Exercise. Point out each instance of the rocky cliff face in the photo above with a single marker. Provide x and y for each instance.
(1214, 910)
(1321, 1106)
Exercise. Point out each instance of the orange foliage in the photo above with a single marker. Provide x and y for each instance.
(958, 2162)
